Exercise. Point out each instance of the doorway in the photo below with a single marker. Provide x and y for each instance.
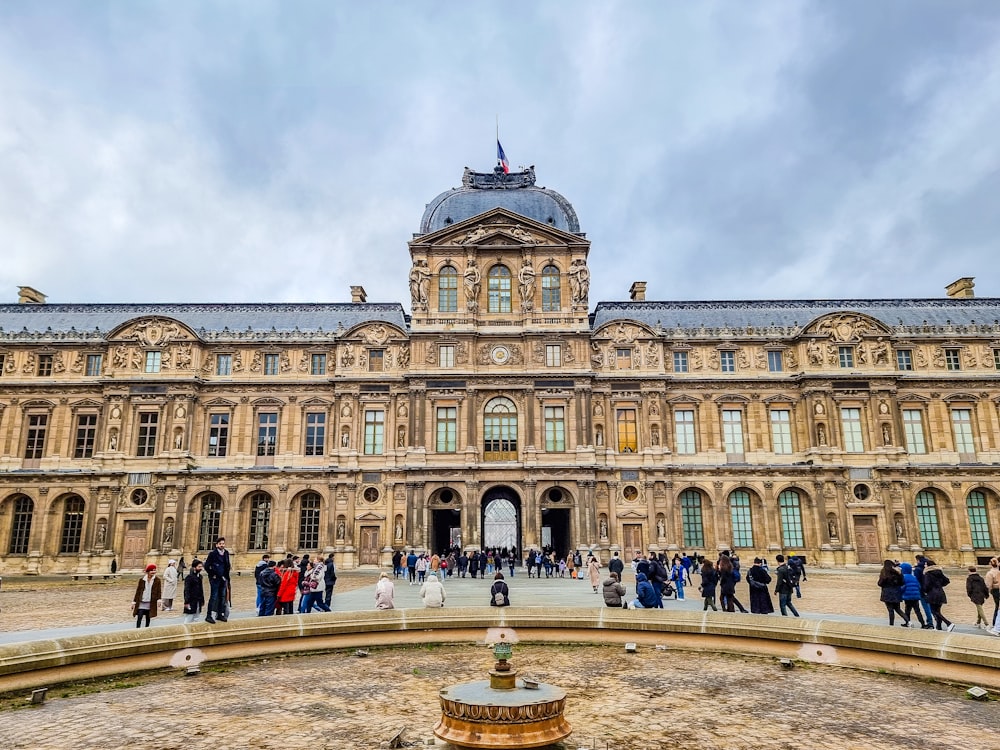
(555, 530)
(632, 538)
(370, 547)
(501, 519)
(866, 539)
(135, 545)
(446, 529)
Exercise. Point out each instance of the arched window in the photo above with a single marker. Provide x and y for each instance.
(448, 289)
(309, 521)
(72, 528)
(209, 522)
(551, 290)
(20, 528)
(500, 430)
(691, 521)
(978, 522)
(927, 520)
(260, 521)
(739, 513)
(791, 519)
(498, 287)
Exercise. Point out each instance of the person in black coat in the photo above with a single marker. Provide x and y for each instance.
(616, 565)
(890, 580)
(934, 582)
(499, 592)
(759, 581)
(194, 592)
(709, 580)
(329, 580)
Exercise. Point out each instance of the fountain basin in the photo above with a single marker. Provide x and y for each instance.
(476, 715)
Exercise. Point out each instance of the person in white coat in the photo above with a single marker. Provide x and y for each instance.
(170, 578)
(432, 592)
(385, 591)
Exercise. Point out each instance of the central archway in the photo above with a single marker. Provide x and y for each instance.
(501, 519)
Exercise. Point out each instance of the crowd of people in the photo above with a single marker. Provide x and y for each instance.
(909, 592)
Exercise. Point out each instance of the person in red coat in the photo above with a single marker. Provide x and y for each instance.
(147, 594)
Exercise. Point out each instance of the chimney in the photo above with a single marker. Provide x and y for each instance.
(638, 291)
(962, 289)
(29, 296)
(358, 294)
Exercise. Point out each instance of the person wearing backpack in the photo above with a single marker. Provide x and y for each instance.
(784, 587)
(499, 592)
(798, 569)
(934, 582)
(268, 583)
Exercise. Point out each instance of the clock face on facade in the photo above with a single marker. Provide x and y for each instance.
(500, 354)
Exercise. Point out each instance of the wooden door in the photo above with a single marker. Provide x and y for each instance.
(370, 548)
(632, 539)
(866, 539)
(135, 545)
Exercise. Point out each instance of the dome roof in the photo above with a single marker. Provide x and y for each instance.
(516, 192)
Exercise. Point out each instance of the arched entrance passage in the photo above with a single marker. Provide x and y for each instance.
(555, 521)
(446, 522)
(502, 519)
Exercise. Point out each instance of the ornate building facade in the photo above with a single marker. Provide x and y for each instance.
(502, 410)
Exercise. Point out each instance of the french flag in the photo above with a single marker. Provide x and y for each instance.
(502, 158)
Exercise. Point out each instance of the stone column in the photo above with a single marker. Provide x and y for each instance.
(531, 522)
(471, 533)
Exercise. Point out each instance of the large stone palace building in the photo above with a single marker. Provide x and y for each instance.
(502, 410)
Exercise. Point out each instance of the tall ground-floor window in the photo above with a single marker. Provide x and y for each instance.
(739, 510)
(691, 519)
(72, 529)
(927, 520)
(791, 519)
(209, 522)
(309, 521)
(20, 528)
(978, 522)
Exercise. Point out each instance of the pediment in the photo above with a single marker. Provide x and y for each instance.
(374, 334)
(683, 400)
(220, 402)
(316, 401)
(963, 397)
(627, 514)
(153, 331)
(847, 327)
(624, 331)
(779, 398)
(499, 226)
(267, 401)
(87, 403)
(370, 516)
(910, 398)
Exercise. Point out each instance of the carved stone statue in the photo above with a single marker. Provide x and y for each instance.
(113, 440)
(345, 439)
(401, 437)
(341, 530)
(420, 280)
(102, 535)
(579, 281)
(886, 435)
(599, 437)
(821, 434)
(526, 284)
(604, 528)
(168, 535)
(661, 528)
(900, 532)
(831, 525)
(472, 278)
(399, 530)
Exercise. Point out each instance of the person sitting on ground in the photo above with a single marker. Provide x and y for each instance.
(614, 591)
(499, 592)
(432, 592)
(646, 597)
(385, 592)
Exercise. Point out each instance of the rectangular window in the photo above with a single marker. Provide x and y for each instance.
(72, 531)
(272, 364)
(979, 523)
(961, 420)
(86, 435)
(223, 364)
(34, 446)
(727, 361)
(94, 362)
(448, 289)
(850, 419)
(149, 421)
(996, 359)
(447, 429)
(628, 440)
(309, 522)
(153, 360)
(791, 524)
(732, 430)
(555, 429)
(846, 356)
(927, 521)
(3, 364)
(680, 361)
(374, 432)
(781, 431)
(913, 430)
(376, 360)
(691, 522)
(774, 362)
(446, 355)
(904, 359)
(317, 364)
(267, 433)
(553, 355)
(20, 529)
(44, 365)
(953, 359)
(739, 511)
(218, 434)
(315, 433)
(684, 431)
(623, 358)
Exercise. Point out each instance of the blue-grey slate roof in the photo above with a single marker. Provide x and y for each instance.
(975, 315)
(211, 321)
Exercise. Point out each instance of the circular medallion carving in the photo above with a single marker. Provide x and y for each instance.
(500, 355)
(371, 494)
(630, 492)
(139, 497)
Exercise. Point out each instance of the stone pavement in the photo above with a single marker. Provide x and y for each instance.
(653, 699)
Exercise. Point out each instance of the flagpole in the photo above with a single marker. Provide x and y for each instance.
(498, 136)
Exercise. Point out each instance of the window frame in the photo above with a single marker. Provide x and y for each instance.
(741, 518)
(727, 361)
(928, 520)
(904, 360)
(272, 364)
(692, 519)
(953, 359)
(376, 359)
(309, 520)
(551, 289)
(219, 432)
(781, 431)
(852, 429)
(775, 360)
(45, 366)
(979, 521)
(209, 521)
(71, 534)
(913, 431)
(498, 288)
(317, 363)
(152, 362)
(35, 434)
(553, 355)
(554, 419)
(446, 428)
(147, 433)
(315, 433)
(790, 513)
(681, 362)
(689, 438)
(94, 365)
(500, 429)
(627, 429)
(732, 431)
(448, 289)
(259, 522)
(845, 357)
(962, 430)
(223, 364)
(446, 356)
(22, 519)
(374, 426)
(85, 435)
(267, 432)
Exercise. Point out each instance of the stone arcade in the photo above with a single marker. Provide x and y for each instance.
(501, 410)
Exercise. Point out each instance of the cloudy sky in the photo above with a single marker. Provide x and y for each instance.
(265, 151)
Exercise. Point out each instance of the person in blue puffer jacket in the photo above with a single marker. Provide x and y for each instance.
(645, 594)
(911, 595)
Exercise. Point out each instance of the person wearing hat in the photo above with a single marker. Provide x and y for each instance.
(147, 593)
(170, 577)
